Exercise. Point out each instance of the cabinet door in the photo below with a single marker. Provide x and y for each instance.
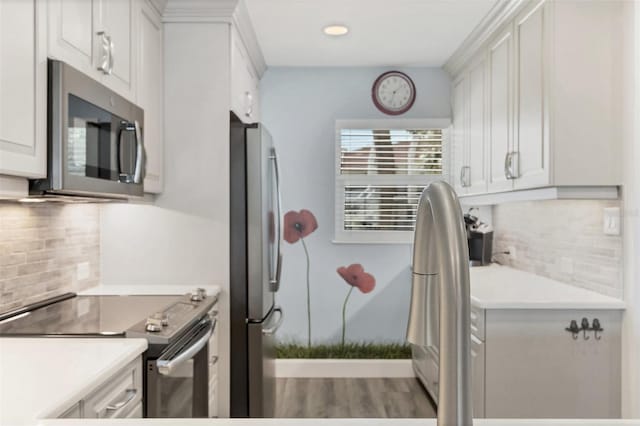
(477, 180)
(531, 124)
(23, 88)
(500, 132)
(459, 135)
(477, 376)
(71, 34)
(115, 18)
(150, 93)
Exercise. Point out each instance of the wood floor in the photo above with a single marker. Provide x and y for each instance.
(352, 398)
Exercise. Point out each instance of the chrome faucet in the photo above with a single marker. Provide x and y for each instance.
(440, 255)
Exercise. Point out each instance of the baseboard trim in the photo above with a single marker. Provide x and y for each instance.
(336, 368)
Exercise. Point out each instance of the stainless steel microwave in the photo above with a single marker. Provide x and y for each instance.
(95, 139)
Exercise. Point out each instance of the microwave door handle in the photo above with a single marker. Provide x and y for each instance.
(139, 170)
(165, 366)
(123, 128)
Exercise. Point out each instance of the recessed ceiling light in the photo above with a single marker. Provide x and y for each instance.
(335, 30)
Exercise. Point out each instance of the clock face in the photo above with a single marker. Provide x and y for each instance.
(393, 93)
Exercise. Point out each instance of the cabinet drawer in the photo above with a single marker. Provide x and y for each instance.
(136, 413)
(74, 412)
(115, 398)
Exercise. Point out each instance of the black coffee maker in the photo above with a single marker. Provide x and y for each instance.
(480, 240)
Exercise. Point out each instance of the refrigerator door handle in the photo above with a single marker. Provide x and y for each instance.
(272, 330)
(275, 280)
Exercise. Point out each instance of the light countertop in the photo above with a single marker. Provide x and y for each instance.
(41, 378)
(501, 287)
(145, 290)
(330, 422)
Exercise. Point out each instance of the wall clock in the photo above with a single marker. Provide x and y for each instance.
(393, 93)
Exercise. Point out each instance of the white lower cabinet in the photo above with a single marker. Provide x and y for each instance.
(525, 364)
(74, 412)
(118, 397)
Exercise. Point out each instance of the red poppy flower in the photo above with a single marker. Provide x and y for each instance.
(355, 276)
(298, 225)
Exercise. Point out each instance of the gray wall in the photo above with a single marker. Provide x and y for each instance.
(299, 107)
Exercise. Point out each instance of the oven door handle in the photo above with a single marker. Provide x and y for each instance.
(165, 366)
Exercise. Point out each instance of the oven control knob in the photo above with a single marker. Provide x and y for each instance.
(156, 321)
(153, 326)
(199, 295)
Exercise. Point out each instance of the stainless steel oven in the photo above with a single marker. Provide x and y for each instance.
(179, 379)
(95, 139)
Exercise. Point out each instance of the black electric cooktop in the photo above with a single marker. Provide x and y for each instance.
(82, 316)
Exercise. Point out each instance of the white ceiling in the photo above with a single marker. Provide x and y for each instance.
(382, 32)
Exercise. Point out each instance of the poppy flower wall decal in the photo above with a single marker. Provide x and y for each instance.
(356, 277)
(298, 226)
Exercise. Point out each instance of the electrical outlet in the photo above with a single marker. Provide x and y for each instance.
(611, 221)
(512, 252)
(83, 270)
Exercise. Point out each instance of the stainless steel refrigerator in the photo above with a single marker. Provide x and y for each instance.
(256, 261)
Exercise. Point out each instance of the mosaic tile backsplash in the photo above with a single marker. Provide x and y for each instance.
(41, 247)
(562, 240)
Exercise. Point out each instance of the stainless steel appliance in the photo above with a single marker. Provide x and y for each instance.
(256, 235)
(441, 277)
(95, 139)
(178, 361)
(177, 365)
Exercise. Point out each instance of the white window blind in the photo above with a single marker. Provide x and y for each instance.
(381, 170)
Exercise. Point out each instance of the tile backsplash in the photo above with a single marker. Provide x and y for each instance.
(47, 249)
(562, 240)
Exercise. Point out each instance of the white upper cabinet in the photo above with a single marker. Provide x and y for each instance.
(245, 102)
(530, 158)
(115, 19)
(150, 92)
(96, 37)
(23, 89)
(71, 33)
(553, 100)
(459, 146)
(477, 176)
(500, 130)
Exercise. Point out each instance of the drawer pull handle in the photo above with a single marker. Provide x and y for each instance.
(130, 395)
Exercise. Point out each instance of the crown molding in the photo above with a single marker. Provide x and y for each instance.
(233, 12)
(243, 24)
(500, 13)
(159, 5)
(199, 10)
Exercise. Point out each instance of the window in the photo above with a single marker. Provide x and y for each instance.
(382, 167)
